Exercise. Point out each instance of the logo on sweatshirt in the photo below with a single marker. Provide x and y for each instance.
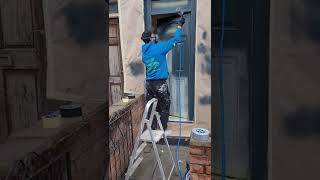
(152, 66)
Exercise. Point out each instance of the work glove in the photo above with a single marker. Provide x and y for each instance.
(181, 22)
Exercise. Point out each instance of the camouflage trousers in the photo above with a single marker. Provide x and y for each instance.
(159, 89)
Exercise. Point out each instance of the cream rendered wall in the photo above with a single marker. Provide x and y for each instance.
(203, 65)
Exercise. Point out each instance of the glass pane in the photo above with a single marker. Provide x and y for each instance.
(169, 4)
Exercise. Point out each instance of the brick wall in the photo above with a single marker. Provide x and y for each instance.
(124, 119)
(200, 159)
(87, 147)
(136, 113)
(86, 142)
(83, 140)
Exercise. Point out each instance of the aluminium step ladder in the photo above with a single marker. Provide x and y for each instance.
(149, 135)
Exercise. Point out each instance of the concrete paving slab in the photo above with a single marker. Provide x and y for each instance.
(149, 170)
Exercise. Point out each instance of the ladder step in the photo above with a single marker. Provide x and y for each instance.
(157, 135)
(135, 166)
(140, 149)
(149, 136)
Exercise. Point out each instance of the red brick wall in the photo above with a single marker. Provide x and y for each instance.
(123, 116)
(85, 142)
(87, 147)
(200, 160)
(136, 113)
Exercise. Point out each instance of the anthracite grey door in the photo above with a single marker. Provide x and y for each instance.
(235, 88)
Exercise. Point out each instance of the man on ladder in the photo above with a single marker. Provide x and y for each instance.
(154, 58)
(158, 99)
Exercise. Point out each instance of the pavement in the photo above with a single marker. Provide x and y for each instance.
(149, 170)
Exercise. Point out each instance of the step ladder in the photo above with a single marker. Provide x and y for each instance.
(146, 136)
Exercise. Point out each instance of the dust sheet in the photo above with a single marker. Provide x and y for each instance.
(131, 20)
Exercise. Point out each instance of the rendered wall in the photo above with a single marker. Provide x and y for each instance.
(203, 65)
(294, 106)
(77, 57)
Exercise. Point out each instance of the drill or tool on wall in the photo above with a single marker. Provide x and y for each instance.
(181, 14)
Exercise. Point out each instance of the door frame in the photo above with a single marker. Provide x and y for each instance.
(258, 69)
(190, 8)
(259, 86)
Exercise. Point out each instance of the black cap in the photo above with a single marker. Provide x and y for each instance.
(146, 35)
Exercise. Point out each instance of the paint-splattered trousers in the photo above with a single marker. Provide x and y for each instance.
(159, 89)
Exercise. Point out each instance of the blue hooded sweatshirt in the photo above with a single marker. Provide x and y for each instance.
(154, 57)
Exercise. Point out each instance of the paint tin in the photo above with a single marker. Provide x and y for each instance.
(200, 134)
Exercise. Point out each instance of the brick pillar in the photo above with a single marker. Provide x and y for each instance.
(200, 159)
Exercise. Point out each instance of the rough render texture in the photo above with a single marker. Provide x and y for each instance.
(200, 159)
(294, 90)
(131, 20)
(119, 156)
(203, 65)
(76, 55)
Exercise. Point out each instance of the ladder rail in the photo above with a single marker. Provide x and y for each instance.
(153, 102)
(167, 144)
(148, 122)
(156, 153)
(132, 158)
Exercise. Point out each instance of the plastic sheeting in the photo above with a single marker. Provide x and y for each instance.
(131, 20)
(77, 65)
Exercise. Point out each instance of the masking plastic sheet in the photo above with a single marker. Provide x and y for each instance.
(131, 20)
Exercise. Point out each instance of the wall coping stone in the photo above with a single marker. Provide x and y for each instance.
(198, 143)
(117, 109)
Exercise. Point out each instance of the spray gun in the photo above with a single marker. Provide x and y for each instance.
(180, 12)
(180, 22)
